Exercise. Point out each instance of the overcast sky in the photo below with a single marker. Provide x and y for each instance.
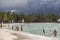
(29, 4)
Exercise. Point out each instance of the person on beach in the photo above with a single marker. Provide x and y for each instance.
(1, 24)
(21, 28)
(44, 31)
(12, 27)
(55, 33)
(17, 28)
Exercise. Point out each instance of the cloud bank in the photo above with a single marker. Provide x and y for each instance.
(13, 3)
(30, 5)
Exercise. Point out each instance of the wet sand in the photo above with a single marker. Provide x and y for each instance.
(26, 36)
(18, 35)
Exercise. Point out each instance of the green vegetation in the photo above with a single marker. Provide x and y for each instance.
(17, 17)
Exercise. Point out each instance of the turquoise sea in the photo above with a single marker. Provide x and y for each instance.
(37, 28)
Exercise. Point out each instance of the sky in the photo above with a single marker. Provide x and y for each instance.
(44, 6)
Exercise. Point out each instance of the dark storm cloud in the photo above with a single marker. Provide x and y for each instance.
(30, 4)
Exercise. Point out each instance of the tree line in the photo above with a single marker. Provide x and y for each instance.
(31, 17)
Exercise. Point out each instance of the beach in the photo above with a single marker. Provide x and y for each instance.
(6, 34)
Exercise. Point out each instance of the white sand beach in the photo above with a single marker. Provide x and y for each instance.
(6, 34)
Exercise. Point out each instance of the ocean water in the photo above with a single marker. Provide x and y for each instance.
(37, 28)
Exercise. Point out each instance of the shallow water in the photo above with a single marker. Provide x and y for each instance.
(37, 28)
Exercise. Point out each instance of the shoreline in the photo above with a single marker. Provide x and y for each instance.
(29, 36)
(34, 22)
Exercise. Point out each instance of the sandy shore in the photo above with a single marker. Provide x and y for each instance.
(14, 35)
